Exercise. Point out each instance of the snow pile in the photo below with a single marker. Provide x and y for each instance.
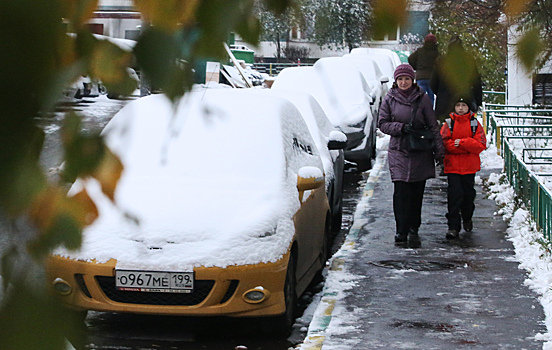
(532, 250)
(202, 182)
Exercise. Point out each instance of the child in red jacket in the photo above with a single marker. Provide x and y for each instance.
(464, 139)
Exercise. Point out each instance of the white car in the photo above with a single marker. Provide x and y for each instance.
(344, 96)
(378, 51)
(373, 75)
(220, 210)
(385, 59)
(330, 142)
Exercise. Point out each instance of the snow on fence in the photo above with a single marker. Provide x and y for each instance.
(523, 136)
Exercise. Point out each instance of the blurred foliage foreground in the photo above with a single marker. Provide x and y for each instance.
(38, 60)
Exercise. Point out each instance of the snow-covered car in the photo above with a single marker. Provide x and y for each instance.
(386, 60)
(373, 75)
(378, 51)
(220, 210)
(330, 143)
(343, 94)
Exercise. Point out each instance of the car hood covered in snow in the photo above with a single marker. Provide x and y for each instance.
(202, 183)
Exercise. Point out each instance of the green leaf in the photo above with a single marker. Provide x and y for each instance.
(528, 49)
(109, 63)
(278, 6)
(388, 16)
(159, 55)
(83, 152)
(30, 319)
(216, 19)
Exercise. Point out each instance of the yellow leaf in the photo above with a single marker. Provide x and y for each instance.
(108, 173)
(109, 62)
(168, 15)
(82, 208)
(53, 203)
(514, 8)
(45, 206)
(79, 11)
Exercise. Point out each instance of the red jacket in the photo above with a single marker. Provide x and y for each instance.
(463, 159)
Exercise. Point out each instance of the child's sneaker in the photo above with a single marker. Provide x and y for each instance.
(452, 234)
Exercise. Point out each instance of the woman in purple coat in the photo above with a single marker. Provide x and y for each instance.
(409, 169)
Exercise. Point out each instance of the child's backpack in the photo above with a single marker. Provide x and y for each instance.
(473, 124)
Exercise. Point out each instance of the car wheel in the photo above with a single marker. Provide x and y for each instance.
(337, 219)
(283, 323)
(326, 248)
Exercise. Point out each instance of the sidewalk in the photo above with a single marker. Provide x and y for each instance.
(468, 294)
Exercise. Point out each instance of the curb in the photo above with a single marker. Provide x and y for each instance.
(324, 312)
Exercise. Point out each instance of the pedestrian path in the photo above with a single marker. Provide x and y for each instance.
(444, 295)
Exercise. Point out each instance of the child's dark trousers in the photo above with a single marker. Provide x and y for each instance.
(461, 196)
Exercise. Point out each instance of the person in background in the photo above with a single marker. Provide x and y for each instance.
(423, 61)
(464, 140)
(409, 169)
(455, 74)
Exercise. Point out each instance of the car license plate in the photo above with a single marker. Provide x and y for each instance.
(154, 281)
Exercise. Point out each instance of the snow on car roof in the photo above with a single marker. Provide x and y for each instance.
(378, 51)
(318, 123)
(341, 91)
(367, 66)
(201, 185)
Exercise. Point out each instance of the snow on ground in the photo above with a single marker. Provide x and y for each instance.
(531, 249)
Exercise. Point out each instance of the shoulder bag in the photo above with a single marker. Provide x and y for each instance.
(419, 140)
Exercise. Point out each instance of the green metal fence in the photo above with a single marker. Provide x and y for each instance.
(503, 123)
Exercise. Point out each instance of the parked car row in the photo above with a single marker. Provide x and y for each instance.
(350, 90)
(228, 199)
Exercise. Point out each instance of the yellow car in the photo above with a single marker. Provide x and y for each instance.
(220, 210)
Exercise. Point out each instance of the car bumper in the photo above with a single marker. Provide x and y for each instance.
(217, 291)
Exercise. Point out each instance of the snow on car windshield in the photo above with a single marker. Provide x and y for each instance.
(202, 185)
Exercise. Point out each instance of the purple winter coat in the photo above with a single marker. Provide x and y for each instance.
(395, 111)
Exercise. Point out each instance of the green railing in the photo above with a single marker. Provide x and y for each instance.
(503, 123)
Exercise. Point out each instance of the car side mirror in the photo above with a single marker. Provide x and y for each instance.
(338, 140)
(384, 80)
(309, 178)
(372, 99)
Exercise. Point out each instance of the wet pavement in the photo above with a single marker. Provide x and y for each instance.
(460, 294)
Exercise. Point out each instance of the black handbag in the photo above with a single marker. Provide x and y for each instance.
(419, 140)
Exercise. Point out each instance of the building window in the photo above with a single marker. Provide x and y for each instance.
(542, 89)
(96, 28)
(132, 34)
(295, 32)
